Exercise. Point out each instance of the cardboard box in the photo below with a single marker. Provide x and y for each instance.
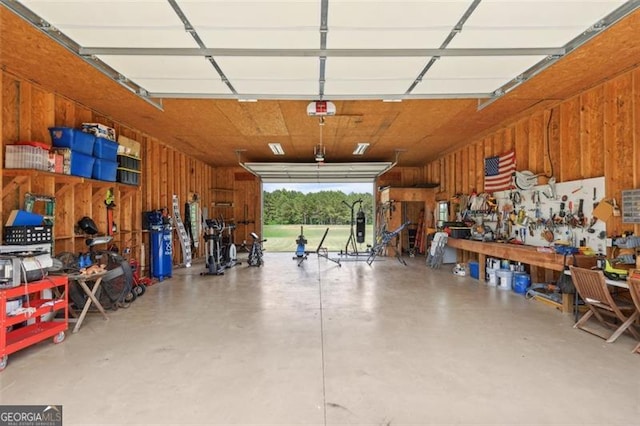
(128, 147)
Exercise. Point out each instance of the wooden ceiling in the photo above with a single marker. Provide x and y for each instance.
(213, 130)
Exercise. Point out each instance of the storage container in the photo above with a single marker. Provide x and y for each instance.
(26, 157)
(474, 269)
(28, 234)
(505, 278)
(492, 278)
(128, 162)
(77, 140)
(521, 282)
(104, 170)
(105, 149)
(130, 177)
(75, 163)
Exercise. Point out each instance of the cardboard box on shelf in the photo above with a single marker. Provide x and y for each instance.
(128, 147)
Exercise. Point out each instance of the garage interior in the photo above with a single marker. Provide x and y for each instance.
(430, 90)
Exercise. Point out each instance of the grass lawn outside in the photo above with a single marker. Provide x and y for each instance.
(282, 238)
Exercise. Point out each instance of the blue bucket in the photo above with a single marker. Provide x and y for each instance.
(521, 282)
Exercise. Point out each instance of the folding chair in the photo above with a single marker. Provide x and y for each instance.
(592, 288)
(436, 252)
(634, 288)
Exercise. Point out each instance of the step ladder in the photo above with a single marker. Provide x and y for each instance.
(185, 241)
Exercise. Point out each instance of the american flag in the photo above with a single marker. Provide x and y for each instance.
(498, 172)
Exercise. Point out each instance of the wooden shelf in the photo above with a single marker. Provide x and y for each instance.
(76, 197)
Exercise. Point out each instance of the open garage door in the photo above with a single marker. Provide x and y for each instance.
(318, 172)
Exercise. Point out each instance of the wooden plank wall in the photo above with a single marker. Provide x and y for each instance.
(29, 110)
(596, 133)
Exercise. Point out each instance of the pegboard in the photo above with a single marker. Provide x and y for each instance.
(591, 191)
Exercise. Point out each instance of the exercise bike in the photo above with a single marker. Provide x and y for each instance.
(255, 252)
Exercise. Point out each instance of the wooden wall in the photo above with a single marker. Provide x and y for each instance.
(595, 133)
(29, 110)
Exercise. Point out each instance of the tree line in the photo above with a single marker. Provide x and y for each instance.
(283, 207)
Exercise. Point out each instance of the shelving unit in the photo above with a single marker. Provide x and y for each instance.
(222, 205)
(77, 197)
(12, 340)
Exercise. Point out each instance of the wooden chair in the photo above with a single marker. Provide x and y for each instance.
(592, 288)
(634, 288)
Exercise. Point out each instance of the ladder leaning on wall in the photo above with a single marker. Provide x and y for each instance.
(185, 241)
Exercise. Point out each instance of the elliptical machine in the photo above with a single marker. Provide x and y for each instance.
(213, 240)
(220, 254)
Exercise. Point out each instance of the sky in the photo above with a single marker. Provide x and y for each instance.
(305, 188)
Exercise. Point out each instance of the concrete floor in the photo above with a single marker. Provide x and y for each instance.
(320, 344)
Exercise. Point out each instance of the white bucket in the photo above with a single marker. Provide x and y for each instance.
(505, 278)
(493, 278)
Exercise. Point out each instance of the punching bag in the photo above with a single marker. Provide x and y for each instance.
(360, 224)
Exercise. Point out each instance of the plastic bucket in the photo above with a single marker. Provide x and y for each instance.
(505, 278)
(474, 269)
(492, 277)
(521, 282)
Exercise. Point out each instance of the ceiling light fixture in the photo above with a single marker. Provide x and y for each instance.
(247, 100)
(361, 148)
(392, 100)
(276, 148)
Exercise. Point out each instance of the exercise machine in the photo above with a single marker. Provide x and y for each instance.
(255, 252)
(301, 253)
(357, 232)
(383, 241)
(213, 240)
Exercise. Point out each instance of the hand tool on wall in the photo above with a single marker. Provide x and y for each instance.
(581, 218)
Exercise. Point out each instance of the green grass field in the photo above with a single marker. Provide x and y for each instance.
(282, 238)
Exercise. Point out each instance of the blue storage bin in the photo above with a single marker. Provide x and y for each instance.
(81, 164)
(105, 149)
(77, 140)
(104, 170)
(474, 269)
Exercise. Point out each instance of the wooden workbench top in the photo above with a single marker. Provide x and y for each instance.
(518, 253)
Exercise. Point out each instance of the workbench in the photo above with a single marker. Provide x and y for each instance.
(528, 255)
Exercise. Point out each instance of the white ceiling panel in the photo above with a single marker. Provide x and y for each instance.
(146, 23)
(385, 88)
(349, 14)
(540, 13)
(512, 38)
(386, 39)
(494, 67)
(213, 85)
(374, 68)
(162, 67)
(269, 68)
(240, 14)
(461, 85)
(266, 38)
(276, 87)
(540, 23)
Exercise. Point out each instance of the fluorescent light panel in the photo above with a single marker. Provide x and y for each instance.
(276, 148)
(361, 148)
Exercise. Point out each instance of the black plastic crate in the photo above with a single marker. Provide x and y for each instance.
(128, 162)
(130, 177)
(28, 234)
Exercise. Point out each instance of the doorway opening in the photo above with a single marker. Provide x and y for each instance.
(292, 209)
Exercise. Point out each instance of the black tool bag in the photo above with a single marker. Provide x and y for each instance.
(565, 283)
